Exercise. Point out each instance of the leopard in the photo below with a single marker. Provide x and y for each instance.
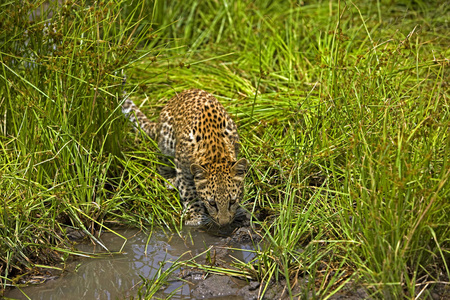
(200, 146)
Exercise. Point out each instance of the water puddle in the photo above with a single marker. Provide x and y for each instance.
(118, 276)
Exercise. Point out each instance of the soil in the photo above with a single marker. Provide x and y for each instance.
(214, 286)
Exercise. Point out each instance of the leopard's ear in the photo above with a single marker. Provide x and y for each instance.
(199, 172)
(239, 169)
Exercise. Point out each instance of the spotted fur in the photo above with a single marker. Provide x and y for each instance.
(201, 139)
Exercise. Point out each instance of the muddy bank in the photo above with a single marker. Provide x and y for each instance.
(118, 274)
(140, 255)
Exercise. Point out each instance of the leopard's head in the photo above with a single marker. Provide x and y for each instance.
(220, 189)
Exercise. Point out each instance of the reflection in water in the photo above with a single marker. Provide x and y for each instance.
(117, 276)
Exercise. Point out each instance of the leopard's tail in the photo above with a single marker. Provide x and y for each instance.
(136, 116)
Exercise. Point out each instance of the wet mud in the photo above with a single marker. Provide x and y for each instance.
(117, 275)
(140, 255)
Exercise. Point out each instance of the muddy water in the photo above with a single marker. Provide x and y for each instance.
(117, 276)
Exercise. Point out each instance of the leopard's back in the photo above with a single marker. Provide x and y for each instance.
(202, 129)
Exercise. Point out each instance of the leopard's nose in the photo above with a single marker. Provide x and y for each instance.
(224, 220)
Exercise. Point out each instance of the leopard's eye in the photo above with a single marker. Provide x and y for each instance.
(212, 202)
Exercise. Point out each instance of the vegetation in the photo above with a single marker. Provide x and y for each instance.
(342, 107)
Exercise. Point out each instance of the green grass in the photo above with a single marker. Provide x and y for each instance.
(343, 112)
